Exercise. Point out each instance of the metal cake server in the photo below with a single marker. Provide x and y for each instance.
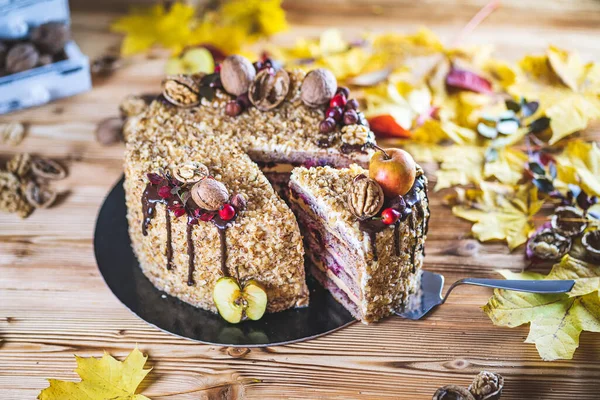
(432, 284)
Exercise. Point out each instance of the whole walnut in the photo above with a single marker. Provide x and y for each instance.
(210, 194)
(51, 37)
(21, 58)
(237, 73)
(318, 87)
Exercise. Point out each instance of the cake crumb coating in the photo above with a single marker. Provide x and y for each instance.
(264, 242)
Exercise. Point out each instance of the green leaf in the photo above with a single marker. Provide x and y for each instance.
(556, 320)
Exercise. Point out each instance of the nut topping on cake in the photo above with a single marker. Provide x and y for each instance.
(365, 197)
(269, 89)
(318, 87)
(191, 172)
(237, 73)
(210, 194)
(182, 90)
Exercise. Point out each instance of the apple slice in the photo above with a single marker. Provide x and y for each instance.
(256, 299)
(235, 304)
(228, 299)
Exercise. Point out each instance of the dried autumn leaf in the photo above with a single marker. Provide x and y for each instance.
(101, 379)
(499, 215)
(157, 25)
(461, 165)
(556, 320)
(508, 167)
(579, 164)
(566, 89)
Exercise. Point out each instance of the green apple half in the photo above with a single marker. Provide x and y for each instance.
(235, 303)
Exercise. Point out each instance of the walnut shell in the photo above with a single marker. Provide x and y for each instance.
(51, 37)
(548, 244)
(182, 90)
(48, 169)
(210, 194)
(591, 244)
(21, 57)
(190, 172)
(39, 196)
(365, 197)
(568, 221)
(269, 89)
(452, 392)
(487, 386)
(237, 73)
(318, 87)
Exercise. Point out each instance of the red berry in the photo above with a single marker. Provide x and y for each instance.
(343, 90)
(217, 68)
(389, 216)
(227, 212)
(233, 108)
(327, 125)
(164, 192)
(339, 100)
(334, 112)
(350, 117)
(352, 104)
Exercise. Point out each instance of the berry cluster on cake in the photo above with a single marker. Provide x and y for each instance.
(207, 169)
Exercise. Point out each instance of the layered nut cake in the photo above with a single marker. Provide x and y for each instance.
(207, 169)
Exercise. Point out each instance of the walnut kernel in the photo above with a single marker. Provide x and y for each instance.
(365, 197)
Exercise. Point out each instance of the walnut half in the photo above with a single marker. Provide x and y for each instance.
(365, 197)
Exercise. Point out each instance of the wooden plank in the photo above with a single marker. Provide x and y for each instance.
(53, 302)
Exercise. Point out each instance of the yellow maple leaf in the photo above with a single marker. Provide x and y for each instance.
(101, 379)
(460, 165)
(556, 320)
(501, 216)
(566, 89)
(579, 164)
(508, 167)
(156, 25)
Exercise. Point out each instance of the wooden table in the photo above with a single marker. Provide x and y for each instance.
(53, 302)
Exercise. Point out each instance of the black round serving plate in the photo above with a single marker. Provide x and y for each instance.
(121, 272)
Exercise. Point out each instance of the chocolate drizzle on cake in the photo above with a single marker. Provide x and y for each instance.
(169, 243)
(190, 251)
(151, 197)
(409, 201)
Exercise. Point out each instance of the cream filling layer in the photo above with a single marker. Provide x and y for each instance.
(338, 282)
(279, 168)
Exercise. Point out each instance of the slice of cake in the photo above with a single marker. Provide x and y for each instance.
(365, 247)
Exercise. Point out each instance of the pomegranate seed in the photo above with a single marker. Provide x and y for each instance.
(334, 112)
(339, 100)
(179, 212)
(206, 217)
(164, 192)
(227, 212)
(389, 216)
(155, 179)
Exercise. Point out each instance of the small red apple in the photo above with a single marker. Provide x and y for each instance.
(394, 169)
